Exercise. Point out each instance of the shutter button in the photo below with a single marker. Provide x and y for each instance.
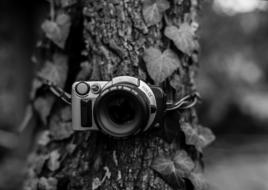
(82, 88)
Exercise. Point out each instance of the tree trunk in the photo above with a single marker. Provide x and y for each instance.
(113, 38)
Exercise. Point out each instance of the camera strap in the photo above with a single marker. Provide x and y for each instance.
(186, 102)
(56, 90)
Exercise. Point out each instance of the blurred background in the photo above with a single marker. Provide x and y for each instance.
(232, 79)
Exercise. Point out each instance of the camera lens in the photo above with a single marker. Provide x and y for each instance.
(121, 111)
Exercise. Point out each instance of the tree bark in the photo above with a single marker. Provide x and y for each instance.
(109, 39)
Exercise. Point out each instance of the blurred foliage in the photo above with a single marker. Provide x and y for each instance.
(233, 70)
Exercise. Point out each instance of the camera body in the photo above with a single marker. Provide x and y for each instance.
(121, 107)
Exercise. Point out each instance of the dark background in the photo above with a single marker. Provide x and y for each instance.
(232, 80)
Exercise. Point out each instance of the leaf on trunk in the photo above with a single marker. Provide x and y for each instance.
(53, 162)
(36, 162)
(183, 163)
(198, 180)
(68, 3)
(165, 167)
(31, 184)
(36, 84)
(184, 38)
(56, 72)
(43, 107)
(199, 136)
(153, 10)
(176, 82)
(160, 65)
(47, 183)
(44, 138)
(70, 148)
(58, 31)
(85, 71)
(60, 124)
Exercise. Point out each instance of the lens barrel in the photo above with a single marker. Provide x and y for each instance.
(121, 110)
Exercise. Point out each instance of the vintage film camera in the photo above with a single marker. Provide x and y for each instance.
(121, 107)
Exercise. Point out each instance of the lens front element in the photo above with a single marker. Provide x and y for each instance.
(121, 110)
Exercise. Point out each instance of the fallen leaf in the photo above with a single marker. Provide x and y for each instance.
(153, 10)
(198, 136)
(53, 162)
(183, 37)
(160, 65)
(57, 31)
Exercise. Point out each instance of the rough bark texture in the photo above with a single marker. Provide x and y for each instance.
(114, 38)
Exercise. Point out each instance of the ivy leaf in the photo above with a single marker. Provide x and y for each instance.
(36, 84)
(47, 183)
(183, 37)
(70, 148)
(176, 82)
(60, 124)
(56, 72)
(67, 3)
(44, 138)
(153, 10)
(53, 162)
(85, 71)
(165, 167)
(36, 162)
(198, 180)
(183, 163)
(43, 106)
(160, 65)
(58, 31)
(199, 136)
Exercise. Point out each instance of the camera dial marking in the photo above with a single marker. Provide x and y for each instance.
(82, 88)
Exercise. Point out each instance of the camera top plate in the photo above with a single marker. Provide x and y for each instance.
(126, 79)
